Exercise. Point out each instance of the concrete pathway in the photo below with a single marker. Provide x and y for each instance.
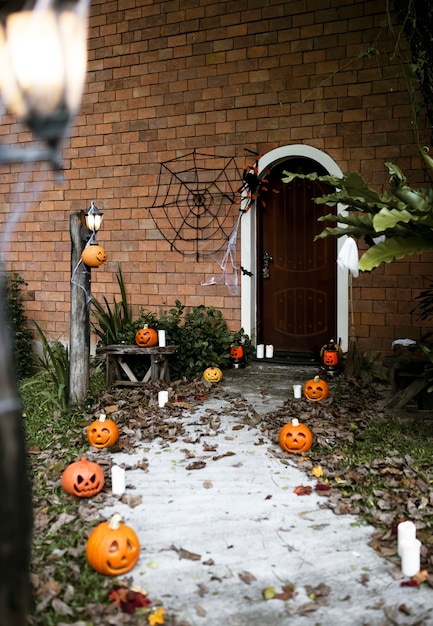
(219, 522)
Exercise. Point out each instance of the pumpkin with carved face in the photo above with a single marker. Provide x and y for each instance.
(213, 374)
(83, 478)
(236, 352)
(295, 437)
(330, 358)
(93, 255)
(103, 432)
(112, 548)
(146, 337)
(316, 389)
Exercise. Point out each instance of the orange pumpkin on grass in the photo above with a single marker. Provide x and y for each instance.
(112, 548)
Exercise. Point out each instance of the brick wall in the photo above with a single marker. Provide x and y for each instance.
(165, 78)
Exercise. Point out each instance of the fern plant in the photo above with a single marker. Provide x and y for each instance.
(55, 365)
(114, 323)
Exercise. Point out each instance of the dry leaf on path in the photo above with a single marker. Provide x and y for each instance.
(246, 577)
(186, 554)
(196, 465)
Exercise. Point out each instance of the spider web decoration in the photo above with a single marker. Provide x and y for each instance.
(192, 206)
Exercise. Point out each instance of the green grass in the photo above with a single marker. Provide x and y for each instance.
(55, 438)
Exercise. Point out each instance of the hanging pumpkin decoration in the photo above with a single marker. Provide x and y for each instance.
(295, 437)
(83, 478)
(112, 548)
(103, 432)
(213, 374)
(316, 389)
(146, 337)
(237, 355)
(331, 354)
(93, 255)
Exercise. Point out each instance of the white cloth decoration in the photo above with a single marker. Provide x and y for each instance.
(348, 257)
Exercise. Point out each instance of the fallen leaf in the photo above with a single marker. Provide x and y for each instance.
(207, 484)
(64, 518)
(61, 608)
(317, 471)
(246, 577)
(186, 554)
(201, 612)
(196, 465)
(221, 456)
(302, 490)
(268, 593)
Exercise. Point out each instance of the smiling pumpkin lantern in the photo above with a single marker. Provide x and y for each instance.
(316, 389)
(112, 548)
(103, 432)
(93, 255)
(295, 437)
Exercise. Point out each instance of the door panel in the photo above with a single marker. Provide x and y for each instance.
(297, 286)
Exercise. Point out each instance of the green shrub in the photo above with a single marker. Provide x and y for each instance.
(201, 334)
(21, 333)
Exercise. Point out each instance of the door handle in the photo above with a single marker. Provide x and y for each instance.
(266, 260)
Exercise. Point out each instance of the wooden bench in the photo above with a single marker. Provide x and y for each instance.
(117, 356)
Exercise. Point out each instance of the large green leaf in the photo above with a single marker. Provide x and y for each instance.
(393, 249)
(387, 219)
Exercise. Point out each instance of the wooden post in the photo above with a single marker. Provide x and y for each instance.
(79, 342)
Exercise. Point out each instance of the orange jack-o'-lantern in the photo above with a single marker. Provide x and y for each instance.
(236, 352)
(330, 358)
(331, 355)
(83, 478)
(93, 255)
(316, 389)
(112, 548)
(146, 337)
(295, 437)
(103, 432)
(213, 374)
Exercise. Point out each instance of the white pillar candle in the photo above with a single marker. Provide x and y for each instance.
(260, 351)
(117, 480)
(162, 398)
(269, 351)
(161, 338)
(411, 557)
(406, 531)
(297, 391)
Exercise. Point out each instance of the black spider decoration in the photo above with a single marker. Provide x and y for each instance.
(252, 185)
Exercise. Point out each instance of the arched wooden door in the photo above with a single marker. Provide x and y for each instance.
(297, 282)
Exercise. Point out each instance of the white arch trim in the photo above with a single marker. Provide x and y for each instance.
(249, 246)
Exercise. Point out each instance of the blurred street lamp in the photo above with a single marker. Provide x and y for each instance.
(42, 72)
(43, 56)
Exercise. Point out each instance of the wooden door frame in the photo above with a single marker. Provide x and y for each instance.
(249, 246)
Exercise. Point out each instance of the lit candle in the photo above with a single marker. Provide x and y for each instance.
(161, 338)
(117, 480)
(269, 351)
(406, 531)
(260, 351)
(162, 398)
(411, 557)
